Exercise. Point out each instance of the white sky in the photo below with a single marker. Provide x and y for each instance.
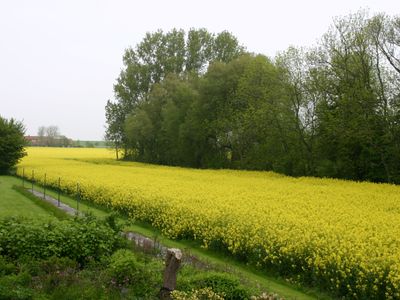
(59, 59)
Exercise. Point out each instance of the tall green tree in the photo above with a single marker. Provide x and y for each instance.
(198, 100)
(385, 35)
(156, 56)
(12, 143)
(348, 117)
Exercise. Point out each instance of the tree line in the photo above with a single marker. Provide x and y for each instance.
(50, 136)
(202, 100)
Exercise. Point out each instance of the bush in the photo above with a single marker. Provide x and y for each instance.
(202, 294)
(74, 259)
(14, 286)
(124, 269)
(131, 275)
(6, 268)
(220, 283)
(76, 239)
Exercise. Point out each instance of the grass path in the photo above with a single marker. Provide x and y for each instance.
(12, 203)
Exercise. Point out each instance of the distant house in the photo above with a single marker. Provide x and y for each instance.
(45, 141)
(33, 140)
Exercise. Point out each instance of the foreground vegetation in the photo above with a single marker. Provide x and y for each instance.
(337, 235)
(86, 258)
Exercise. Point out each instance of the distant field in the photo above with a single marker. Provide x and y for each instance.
(91, 144)
(341, 236)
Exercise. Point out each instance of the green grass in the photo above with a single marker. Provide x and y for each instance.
(50, 208)
(13, 203)
(222, 262)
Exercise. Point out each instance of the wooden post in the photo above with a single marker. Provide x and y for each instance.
(59, 191)
(33, 178)
(172, 264)
(77, 196)
(44, 187)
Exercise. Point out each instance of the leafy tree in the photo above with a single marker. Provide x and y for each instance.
(52, 133)
(298, 74)
(115, 118)
(152, 60)
(199, 100)
(12, 143)
(385, 32)
(41, 135)
(349, 119)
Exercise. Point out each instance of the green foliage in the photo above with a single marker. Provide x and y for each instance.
(14, 286)
(201, 294)
(332, 111)
(124, 268)
(113, 221)
(220, 283)
(12, 144)
(74, 259)
(77, 239)
(37, 261)
(156, 57)
(127, 271)
(6, 268)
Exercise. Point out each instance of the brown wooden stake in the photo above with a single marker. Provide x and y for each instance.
(172, 264)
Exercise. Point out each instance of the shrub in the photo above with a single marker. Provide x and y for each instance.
(79, 240)
(6, 268)
(220, 283)
(14, 286)
(130, 275)
(124, 267)
(201, 294)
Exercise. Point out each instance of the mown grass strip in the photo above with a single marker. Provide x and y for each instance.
(13, 204)
(50, 208)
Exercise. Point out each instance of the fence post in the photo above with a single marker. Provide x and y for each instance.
(77, 196)
(59, 191)
(172, 264)
(33, 178)
(44, 187)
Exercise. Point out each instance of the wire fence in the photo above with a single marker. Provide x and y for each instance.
(32, 182)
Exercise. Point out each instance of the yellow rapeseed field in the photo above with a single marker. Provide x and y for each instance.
(340, 235)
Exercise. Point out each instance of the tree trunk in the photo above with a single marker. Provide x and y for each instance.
(172, 264)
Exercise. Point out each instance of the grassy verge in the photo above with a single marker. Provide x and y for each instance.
(269, 282)
(51, 209)
(13, 203)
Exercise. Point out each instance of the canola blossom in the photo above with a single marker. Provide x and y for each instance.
(338, 235)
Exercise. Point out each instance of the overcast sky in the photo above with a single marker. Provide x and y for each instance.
(59, 59)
